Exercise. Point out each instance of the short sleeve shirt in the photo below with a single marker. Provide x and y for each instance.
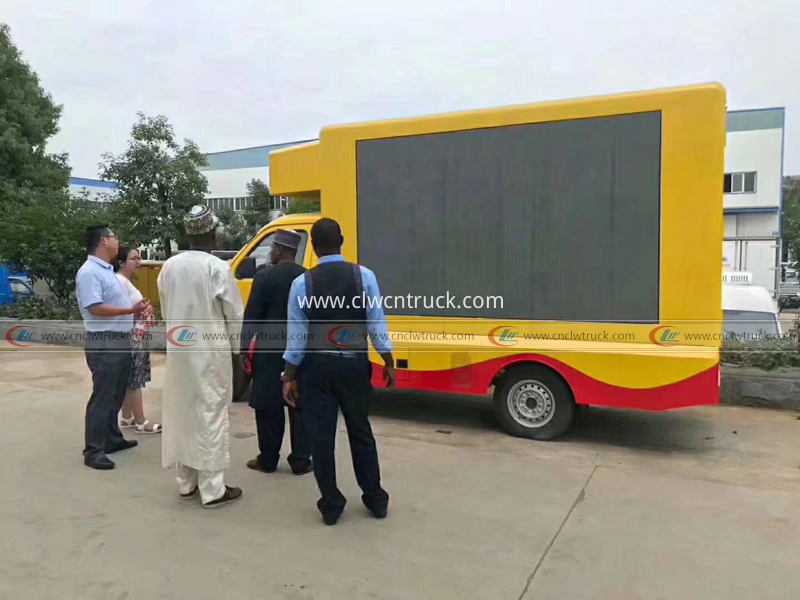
(96, 283)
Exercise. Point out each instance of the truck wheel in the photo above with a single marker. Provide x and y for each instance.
(533, 402)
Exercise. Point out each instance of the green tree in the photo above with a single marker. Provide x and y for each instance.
(257, 215)
(41, 227)
(158, 182)
(303, 204)
(28, 118)
(791, 218)
(47, 239)
(233, 233)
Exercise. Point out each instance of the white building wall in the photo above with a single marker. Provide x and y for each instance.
(760, 258)
(752, 218)
(229, 187)
(756, 224)
(229, 172)
(730, 225)
(232, 183)
(759, 151)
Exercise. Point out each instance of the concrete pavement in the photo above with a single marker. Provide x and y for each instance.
(700, 503)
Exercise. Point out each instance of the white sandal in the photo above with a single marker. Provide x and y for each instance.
(127, 423)
(142, 427)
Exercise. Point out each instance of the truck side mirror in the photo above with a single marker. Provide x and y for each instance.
(247, 268)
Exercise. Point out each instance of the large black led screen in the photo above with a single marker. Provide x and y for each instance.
(560, 219)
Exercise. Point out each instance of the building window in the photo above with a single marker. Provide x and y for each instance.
(238, 203)
(740, 183)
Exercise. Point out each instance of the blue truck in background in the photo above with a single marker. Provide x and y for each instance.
(14, 286)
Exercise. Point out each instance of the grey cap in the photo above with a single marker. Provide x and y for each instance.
(288, 238)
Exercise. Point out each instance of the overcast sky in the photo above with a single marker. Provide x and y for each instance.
(244, 73)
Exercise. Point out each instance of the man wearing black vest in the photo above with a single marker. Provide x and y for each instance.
(328, 332)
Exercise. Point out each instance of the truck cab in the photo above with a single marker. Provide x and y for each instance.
(14, 287)
(255, 254)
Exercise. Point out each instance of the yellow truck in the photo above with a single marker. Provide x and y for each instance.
(597, 222)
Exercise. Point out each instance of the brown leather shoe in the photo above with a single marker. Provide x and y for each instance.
(256, 465)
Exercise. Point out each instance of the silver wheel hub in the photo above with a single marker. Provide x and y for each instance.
(531, 403)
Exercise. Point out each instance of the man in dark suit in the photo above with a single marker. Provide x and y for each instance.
(266, 316)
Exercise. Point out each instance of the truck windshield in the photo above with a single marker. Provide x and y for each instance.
(261, 252)
(750, 323)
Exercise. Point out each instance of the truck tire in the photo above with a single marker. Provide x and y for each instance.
(534, 402)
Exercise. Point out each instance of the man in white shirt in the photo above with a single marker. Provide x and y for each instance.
(108, 317)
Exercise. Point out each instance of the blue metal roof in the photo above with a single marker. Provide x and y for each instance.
(755, 119)
(92, 182)
(245, 158)
(766, 209)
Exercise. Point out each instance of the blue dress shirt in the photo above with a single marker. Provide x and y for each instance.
(96, 283)
(297, 330)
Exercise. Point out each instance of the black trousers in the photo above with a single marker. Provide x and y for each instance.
(270, 424)
(109, 360)
(330, 383)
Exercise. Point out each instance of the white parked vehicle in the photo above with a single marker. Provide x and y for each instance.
(749, 311)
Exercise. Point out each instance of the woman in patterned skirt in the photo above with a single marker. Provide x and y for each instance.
(128, 263)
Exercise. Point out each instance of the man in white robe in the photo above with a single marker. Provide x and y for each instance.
(203, 311)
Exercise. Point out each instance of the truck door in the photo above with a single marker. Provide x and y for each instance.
(260, 252)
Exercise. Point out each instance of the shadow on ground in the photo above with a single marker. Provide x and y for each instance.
(669, 431)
